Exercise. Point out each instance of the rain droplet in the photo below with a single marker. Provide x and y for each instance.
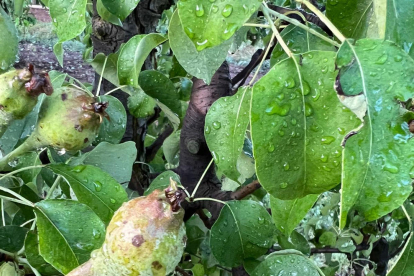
(286, 166)
(113, 201)
(283, 185)
(398, 58)
(271, 147)
(199, 11)
(216, 125)
(228, 9)
(391, 168)
(290, 82)
(324, 158)
(327, 140)
(78, 168)
(214, 8)
(306, 88)
(382, 59)
(208, 129)
(97, 185)
(308, 110)
(281, 110)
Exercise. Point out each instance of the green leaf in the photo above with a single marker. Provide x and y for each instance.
(171, 147)
(328, 239)
(399, 29)
(57, 78)
(107, 15)
(288, 261)
(225, 128)
(120, 8)
(115, 159)
(31, 250)
(294, 241)
(210, 23)
(65, 240)
(243, 228)
(141, 105)
(288, 213)
(196, 234)
(133, 55)
(93, 187)
(297, 126)
(359, 18)
(374, 179)
(404, 265)
(58, 51)
(112, 131)
(68, 18)
(12, 238)
(111, 67)
(203, 64)
(162, 182)
(160, 87)
(8, 41)
(299, 41)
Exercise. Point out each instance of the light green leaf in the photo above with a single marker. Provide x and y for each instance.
(297, 126)
(210, 23)
(31, 250)
(112, 130)
(287, 261)
(225, 128)
(65, 239)
(107, 15)
(93, 187)
(160, 87)
(133, 55)
(120, 8)
(9, 41)
(203, 64)
(243, 228)
(57, 78)
(374, 180)
(141, 105)
(162, 181)
(115, 159)
(58, 51)
(288, 213)
(404, 265)
(299, 41)
(111, 69)
(68, 18)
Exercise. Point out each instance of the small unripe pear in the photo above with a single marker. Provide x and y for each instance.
(145, 237)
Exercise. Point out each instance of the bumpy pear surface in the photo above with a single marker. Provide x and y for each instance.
(145, 237)
(68, 120)
(19, 90)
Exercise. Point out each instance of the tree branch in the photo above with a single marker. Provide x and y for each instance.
(152, 150)
(246, 190)
(360, 247)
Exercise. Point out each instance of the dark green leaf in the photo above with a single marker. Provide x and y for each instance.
(203, 64)
(12, 238)
(162, 181)
(65, 239)
(93, 187)
(243, 228)
(297, 126)
(289, 262)
(225, 128)
(328, 239)
(107, 15)
(141, 105)
(171, 147)
(374, 179)
(210, 23)
(404, 265)
(31, 249)
(68, 18)
(112, 131)
(295, 241)
(133, 55)
(288, 213)
(120, 8)
(160, 87)
(196, 234)
(117, 160)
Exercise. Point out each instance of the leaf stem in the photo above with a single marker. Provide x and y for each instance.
(324, 19)
(55, 184)
(263, 59)
(14, 200)
(100, 78)
(7, 253)
(201, 178)
(3, 218)
(275, 31)
(209, 199)
(27, 222)
(257, 25)
(302, 26)
(116, 89)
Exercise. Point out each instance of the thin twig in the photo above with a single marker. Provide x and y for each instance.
(246, 190)
(201, 179)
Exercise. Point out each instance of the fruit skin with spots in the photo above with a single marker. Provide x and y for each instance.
(69, 120)
(19, 91)
(145, 237)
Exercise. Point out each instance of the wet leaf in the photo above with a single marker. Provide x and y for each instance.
(288, 213)
(141, 105)
(68, 18)
(162, 181)
(203, 64)
(111, 70)
(31, 250)
(9, 41)
(404, 265)
(112, 130)
(243, 228)
(66, 238)
(286, 262)
(297, 126)
(120, 8)
(106, 15)
(374, 179)
(12, 238)
(133, 55)
(210, 23)
(225, 129)
(93, 187)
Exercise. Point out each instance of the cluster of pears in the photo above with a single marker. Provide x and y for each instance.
(69, 118)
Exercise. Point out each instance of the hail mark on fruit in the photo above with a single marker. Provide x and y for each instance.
(1, 107)
(64, 96)
(156, 265)
(85, 140)
(78, 128)
(138, 240)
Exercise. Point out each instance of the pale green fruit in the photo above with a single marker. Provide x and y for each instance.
(145, 237)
